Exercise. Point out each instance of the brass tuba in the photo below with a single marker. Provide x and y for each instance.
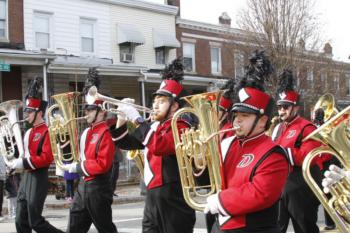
(327, 103)
(63, 128)
(199, 149)
(335, 135)
(11, 136)
(138, 157)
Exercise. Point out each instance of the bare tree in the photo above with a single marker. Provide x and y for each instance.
(287, 29)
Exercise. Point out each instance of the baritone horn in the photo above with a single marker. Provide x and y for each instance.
(198, 150)
(63, 128)
(335, 135)
(11, 136)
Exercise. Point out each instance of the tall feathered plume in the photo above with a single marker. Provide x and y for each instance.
(258, 70)
(319, 116)
(230, 87)
(34, 88)
(92, 79)
(174, 71)
(286, 81)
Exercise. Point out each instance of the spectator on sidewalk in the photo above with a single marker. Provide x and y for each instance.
(12, 185)
(118, 157)
(70, 178)
(2, 182)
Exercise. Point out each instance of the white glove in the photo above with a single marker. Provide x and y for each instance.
(212, 205)
(130, 113)
(17, 164)
(122, 108)
(332, 176)
(71, 167)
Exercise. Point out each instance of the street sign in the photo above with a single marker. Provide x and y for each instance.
(5, 67)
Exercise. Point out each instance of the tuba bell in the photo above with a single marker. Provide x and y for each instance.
(11, 136)
(63, 128)
(335, 135)
(199, 149)
(327, 103)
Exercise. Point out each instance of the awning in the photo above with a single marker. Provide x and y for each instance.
(163, 39)
(128, 33)
(188, 80)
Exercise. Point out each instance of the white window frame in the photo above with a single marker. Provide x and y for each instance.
(238, 63)
(6, 37)
(165, 51)
(49, 16)
(310, 77)
(93, 23)
(219, 71)
(193, 55)
(131, 47)
(336, 81)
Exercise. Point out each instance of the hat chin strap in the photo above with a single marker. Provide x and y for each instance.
(257, 116)
(95, 117)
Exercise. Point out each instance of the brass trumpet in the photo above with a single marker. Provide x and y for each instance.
(93, 95)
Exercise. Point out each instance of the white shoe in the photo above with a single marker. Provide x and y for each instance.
(2, 218)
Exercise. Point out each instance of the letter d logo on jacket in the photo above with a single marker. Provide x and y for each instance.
(246, 160)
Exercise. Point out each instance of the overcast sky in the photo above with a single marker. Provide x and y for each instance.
(333, 14)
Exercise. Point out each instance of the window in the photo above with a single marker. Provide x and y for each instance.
(310, 77)
(348, 89)
(189, 57)
(336, 82)
(42, 30)
(87, 31)
(323, 78)
(239, 64)
(127, 52)
(3, 19)
(215, 54)
(160, 55)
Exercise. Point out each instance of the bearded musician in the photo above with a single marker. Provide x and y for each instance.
(165, 208)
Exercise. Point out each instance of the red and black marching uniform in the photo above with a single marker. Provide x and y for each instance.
(166, 210)
(255, 171)
(298, 201)
(35, 181)
(92, 202)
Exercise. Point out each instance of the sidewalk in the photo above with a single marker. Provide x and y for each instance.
(126, 194)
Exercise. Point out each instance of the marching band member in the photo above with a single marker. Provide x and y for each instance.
(93, 199)
(38, 157)
(298, 202)
(165, 209)
(225, 105)
(255, 168)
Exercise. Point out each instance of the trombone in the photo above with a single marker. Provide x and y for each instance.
(93, 95)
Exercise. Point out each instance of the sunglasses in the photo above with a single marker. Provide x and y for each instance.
(284, 106)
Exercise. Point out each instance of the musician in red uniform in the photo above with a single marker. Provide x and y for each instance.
(225, 105)
(298, 201)
(255, 168)
(93, 200)
(38, 157)
(165, 210)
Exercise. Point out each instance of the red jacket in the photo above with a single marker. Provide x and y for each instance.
(159, 150)
(286, 135)
(38, 153)
(96, 150)
(255, 171)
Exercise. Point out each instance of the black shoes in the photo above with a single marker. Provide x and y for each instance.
(329, 227)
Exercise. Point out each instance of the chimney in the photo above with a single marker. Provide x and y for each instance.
(173, 3)
(327, 49)
(225, 20)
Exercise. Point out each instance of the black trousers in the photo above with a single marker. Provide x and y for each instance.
(273, 229)
(114, 175)
(30, 202)
(1, 195)
(299, 203)
(92, 204)
(166, 211)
